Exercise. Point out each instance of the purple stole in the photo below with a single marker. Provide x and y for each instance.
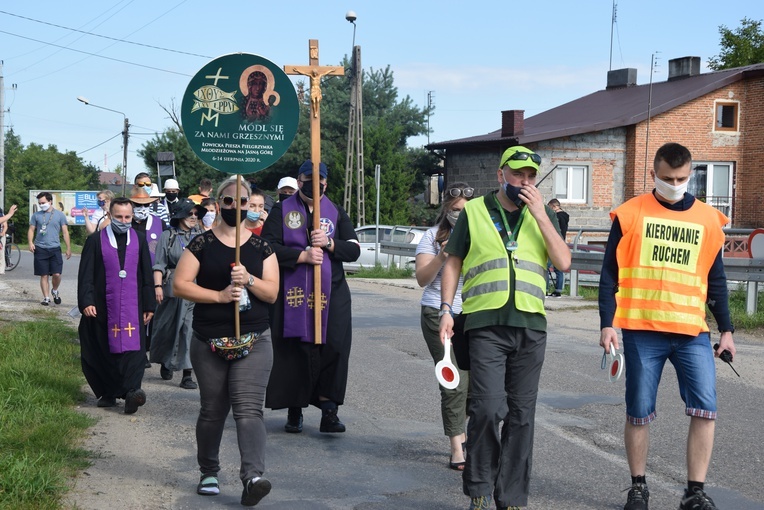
(153, 232)
(298, 282)
(122, 313)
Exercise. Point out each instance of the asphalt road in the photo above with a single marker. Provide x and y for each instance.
(394, 454)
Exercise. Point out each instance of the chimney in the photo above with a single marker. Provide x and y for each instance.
(512, 123)
(683, 67)
(620, 78)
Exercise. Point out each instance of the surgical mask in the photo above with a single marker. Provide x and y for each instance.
(45, 206)
(253, 216)
(141, 213)
(229, 216)
(669, 192)
(452, 216)
(307, 189)
(120, 228)
(147, 189)
(513, 194)
(208, 218)
(172, 196)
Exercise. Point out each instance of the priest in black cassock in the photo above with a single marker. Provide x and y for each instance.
(115, 294)
(304, 372)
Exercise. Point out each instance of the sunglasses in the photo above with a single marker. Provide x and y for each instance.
(461, 192)
(194, 214)
(144, 183)
(228, 201)
(522, 156)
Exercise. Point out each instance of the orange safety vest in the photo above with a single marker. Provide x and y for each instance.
(663, 262)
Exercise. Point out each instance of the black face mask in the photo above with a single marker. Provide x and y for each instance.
(229, 216)
(513, 194)
(307, 189)
(283, 196)
(171, 196)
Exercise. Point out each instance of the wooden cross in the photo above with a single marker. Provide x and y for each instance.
(315, 72)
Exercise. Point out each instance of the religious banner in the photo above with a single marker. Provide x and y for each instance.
(240, 113)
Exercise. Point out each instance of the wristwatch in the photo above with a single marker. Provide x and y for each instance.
(329, 243)
(251, 280)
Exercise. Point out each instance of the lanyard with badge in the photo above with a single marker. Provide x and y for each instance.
(511, 244)
(44, 226)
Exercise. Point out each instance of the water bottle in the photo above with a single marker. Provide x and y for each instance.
(244, 303)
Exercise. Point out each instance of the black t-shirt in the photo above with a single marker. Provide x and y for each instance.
(215, 320)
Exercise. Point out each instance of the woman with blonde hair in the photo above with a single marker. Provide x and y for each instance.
(100, 216)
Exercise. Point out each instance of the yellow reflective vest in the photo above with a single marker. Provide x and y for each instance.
(486, 266)
(663, 259)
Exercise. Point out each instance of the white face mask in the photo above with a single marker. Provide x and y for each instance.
(669, 192)
(208, 218)
(141, 213)
(45, 206)
(452, 216)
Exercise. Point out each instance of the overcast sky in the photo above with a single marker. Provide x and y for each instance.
(476, 58)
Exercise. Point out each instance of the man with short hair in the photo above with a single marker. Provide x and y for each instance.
(662, 266)
(500, 244)
(205, 188)
(45, 226)
(115, 294)
(305, 372)
(3, 232)
(171, 195)
(143, 180)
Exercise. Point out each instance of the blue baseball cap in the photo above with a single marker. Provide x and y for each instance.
(307, 168)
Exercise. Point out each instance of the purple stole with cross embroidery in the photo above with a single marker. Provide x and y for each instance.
(122, 313)
(298, 282)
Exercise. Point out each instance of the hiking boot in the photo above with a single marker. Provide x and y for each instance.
(133, 400)
(696, 500)
(107, 402)
(208, 486)
(165, 373)
(45, 301)
(56, 297)
(187, 383)
(255, 490)
(481, 503)
(330, 422)
(637, 498)
(294, 421)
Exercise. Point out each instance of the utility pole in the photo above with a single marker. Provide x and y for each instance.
(430, 102)
(2, 139)
(354, 161)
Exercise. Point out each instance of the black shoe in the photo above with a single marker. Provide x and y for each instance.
(107, 402)
(330, 422)
(255, 490)
(133, 400)
(187, 383)
(148, 363)
(556, 294)
(166, 373)
(56, 297)
(294, 421)
(696, 500)
(637, 498)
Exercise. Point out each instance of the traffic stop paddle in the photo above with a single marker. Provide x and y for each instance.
(445, 370)
(239, 115)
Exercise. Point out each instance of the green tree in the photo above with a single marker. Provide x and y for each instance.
(44, 168)
(740, 47)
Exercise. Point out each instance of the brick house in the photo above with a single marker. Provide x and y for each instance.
(597, 150)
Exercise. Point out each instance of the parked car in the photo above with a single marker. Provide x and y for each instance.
(398, 234)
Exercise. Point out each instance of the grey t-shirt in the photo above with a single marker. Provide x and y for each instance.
(47, 228)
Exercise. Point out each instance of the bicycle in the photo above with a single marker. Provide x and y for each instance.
(12, 251)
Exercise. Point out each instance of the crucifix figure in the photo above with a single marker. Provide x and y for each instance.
(315, 72)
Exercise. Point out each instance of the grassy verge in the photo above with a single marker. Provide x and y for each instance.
(382, 272)
(40, 380)
(740, 317)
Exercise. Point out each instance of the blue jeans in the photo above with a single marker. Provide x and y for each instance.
(645, 354)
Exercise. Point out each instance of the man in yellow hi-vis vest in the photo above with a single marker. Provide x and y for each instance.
(500, 244)
(663, 264)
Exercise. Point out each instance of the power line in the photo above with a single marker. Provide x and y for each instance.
(96, 146)
(104, 36)
(96, 55)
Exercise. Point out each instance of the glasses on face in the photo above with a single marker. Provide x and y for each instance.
(144, 183)
(194, 214)
(228, 201)
(522, 156)
(461, 192)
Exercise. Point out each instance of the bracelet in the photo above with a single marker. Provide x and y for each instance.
(449, 306)
(157, 286)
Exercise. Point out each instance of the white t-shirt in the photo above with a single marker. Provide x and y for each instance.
(431, 295)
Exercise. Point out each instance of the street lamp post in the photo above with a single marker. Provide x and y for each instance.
(125, 136)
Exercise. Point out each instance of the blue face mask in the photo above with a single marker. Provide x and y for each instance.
(120, 228)
(147, 189)
(101, 203)
(513, 194)
(253, 216)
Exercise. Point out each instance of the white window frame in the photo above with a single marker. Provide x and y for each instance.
(709, 195)
(567, 182)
